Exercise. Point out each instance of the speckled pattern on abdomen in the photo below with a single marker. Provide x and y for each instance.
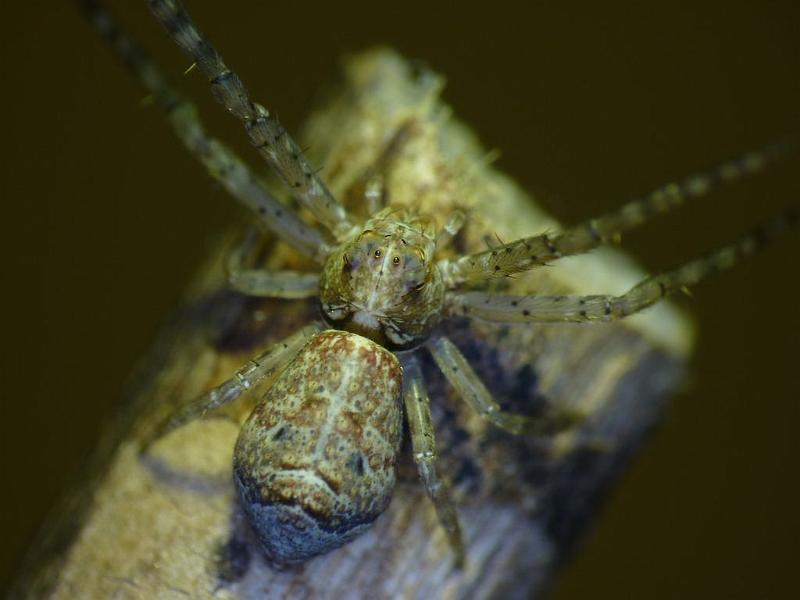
(315, 461)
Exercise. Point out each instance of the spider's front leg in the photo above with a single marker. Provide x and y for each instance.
(271, 361)
(268, 136)
(528, 253)
(221, 162)
(507, 308)
(420, 424)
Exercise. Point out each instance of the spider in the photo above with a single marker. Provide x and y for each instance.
(384, 288)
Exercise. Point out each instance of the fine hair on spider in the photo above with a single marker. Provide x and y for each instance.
(315, 462)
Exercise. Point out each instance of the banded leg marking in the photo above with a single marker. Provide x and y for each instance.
(528, 253)
(418, 413)
(268, 136)
(507, 308)
(274, 359)
(466, 382)
(221, 163)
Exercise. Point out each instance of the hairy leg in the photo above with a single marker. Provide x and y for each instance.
(260, 282)
(268, 136)
(220, 161)
(530, 252)
(418, 413)
(451, 228)
(274, 359)
(466, 382)
(506, 308)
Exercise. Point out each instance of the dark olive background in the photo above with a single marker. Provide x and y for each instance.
(105, 217)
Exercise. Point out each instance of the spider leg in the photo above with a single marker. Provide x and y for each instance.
(275, 358)
(220, 161)
(268, 136)
(451, 228)
(418, 413)
(528, 253)
(262, 282)
(506, 308)
(466, 382)
(376, 194)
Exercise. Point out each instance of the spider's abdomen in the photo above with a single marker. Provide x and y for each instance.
(315, 461)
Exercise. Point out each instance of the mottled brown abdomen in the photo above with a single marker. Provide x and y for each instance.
(314, 462)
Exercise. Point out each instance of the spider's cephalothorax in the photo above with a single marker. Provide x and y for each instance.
(315, 461)
(383, 283)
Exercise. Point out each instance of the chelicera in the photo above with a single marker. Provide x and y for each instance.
(315, 462)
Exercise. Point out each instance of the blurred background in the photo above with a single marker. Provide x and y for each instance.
(105, 218)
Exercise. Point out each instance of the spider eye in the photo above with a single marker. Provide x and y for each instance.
(396, 260)
(419, 286)
(378, 253)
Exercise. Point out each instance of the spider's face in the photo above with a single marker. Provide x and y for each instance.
(383, 283)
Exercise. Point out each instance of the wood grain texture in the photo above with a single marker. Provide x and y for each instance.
(167, 525)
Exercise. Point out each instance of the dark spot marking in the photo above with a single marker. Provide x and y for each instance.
(280, 434)
(356, 463)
